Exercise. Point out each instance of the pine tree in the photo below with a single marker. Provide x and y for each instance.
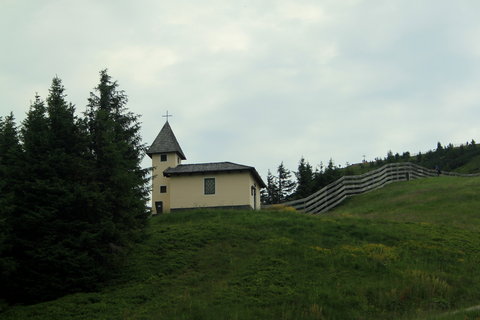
(285, 185)
(117, 151)
(304, 179)
(319, 177)
(79, 198)
(10, 153)
(439, 148)
(50, 227)
(390, 157)
(75, 237)
(331, 173)
(31, 222)
(270, 195)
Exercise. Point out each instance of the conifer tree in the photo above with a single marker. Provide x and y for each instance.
(285, 184)
(116, 147)
(31, 222)
(270, 195)
(390, 157)
(319, 177)
(10, 153)
(304, 179)
(75, 239)
(331, 173)
(439, 148)
(79, 194)
(50, 245)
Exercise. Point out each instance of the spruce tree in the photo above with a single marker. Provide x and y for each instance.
(10, 154)
(79, 195)
(331, 173)
(32, 221)
(319, 177)
(439, 148)
(390, 157)
(76, 241)
(50, 244)
(271, 196)
(304, 179)
(285, 184)
(58, 245)
(116, 147)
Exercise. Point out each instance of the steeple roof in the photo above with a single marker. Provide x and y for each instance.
(166, 142)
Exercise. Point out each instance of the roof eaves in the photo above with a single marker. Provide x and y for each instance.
(190, 170)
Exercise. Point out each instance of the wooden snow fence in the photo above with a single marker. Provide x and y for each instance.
(333, 194)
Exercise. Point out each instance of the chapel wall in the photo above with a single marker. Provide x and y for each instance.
(231, 189)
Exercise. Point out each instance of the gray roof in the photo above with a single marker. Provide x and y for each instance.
(216, 167)
(166, 142)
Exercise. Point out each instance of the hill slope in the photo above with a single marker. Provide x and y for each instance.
(379, 262)
(441, 200)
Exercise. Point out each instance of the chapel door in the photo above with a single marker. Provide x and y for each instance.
(159, 206)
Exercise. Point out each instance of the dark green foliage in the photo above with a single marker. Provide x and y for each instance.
(78, 198)
(286, 185)
(10, 154)
(331, 173)
(117, 152)
(280, 188)
(305, 183)
(390, 157)
(270, 194)
(53, 243)
(324, 176)
(30, 220)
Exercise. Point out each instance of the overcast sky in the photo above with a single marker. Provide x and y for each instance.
(260, 82)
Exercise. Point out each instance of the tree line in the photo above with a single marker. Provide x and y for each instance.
(72, 193)
(286, 185)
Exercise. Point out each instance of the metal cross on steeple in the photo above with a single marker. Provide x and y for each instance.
(167, 115)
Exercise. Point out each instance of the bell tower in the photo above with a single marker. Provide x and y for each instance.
(165, 153)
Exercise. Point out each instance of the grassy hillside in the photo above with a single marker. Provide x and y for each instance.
(473, 166)
(447, 201)
(408, 251)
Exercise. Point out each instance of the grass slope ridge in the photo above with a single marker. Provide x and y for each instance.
(369, 264)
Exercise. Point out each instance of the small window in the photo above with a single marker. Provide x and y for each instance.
(209, 185)
(163, 189)
(163, 157)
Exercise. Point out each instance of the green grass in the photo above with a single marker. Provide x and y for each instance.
(473, 166)
(402, 252)
(441, 200)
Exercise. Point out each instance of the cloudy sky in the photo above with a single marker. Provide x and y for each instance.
(260, 82)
